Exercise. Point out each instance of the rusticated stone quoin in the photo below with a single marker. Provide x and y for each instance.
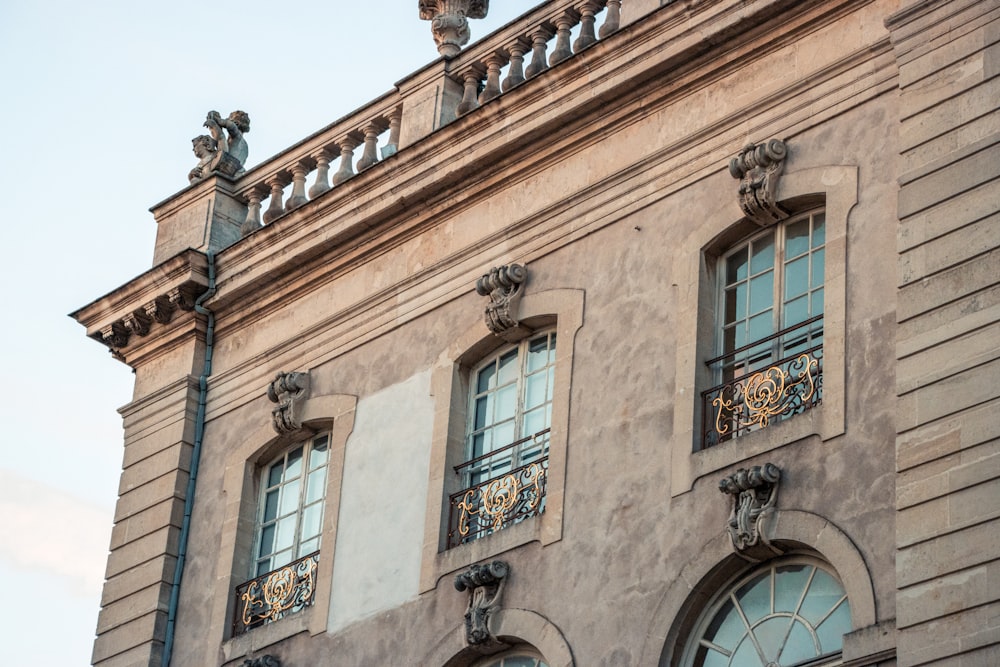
(504, 286)
(449, 22)
(288, 390)
(758, 166)
(485, 583)
(754, 493)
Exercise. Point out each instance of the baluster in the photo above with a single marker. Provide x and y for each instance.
(347, 146)
(395, 120)
(492, 89)
(298, 196)
(539, 42)
(468, 103)
(515, 74)
(252, 223)
(562, 51)
(322, 183)
(613, 18)
(275, 209)
(370, 154)
(587, 20)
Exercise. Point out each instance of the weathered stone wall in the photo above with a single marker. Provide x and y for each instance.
(948, 341)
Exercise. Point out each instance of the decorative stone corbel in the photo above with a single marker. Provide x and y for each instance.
(504, 285)
(485, 584)
(115, 335)
(449, 22)
(160, 309)
(758, 167)
(184, 297)
(754, 493)
(262, 661)
(137, 322)
(288, 390)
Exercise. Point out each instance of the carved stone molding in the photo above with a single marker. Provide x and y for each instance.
(504, 286)
(754, 493)
(289, 391)
(262, 661)
(485, 583)
(758, 167)
(449, 22)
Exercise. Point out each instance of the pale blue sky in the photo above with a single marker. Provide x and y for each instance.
(100, 102)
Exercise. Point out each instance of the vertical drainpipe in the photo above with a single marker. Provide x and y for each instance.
(199, 432)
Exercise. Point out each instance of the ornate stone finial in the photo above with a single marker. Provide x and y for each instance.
(223, 150)
(758, 168)
(485, 584)
(754, 492)
(449, 22)
(288, 390)
(503, 284)
(262, 661)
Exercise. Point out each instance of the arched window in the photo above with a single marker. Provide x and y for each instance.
(507, 442)
(787, 613)
(518, 657)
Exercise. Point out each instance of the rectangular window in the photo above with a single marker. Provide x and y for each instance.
(770, 345)
(288, 531)
(503, 476)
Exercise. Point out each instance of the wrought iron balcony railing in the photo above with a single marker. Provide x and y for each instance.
(503, 500)
(783, 388)
(276, 594)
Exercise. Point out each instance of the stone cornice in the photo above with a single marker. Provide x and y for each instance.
(398, 202)
(146, 306)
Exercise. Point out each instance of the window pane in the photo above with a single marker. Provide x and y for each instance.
(552, 348)
(736, 303)
(262, 567)
(309, 547)
(319, 453)
(761, 326)
(819, 229)
(503, 435)
(762, 292)
(487, 379)
(271, 506)
(482, 410)
(816, 304)
(800, 646)
(763, 254)
(294, 466)
(736, 266)
(796, 277)
(831, 632)
(818, 265)
(770, 634)
(755, 598)
(481, 443)
(286, 533)
(824, 593)
(535, 421)
(796, 238)
(274, 475)
(726, 628)
(312, 518)
(316, 485)
(788, 587)
(289, 497)
(795, 311)
(281, 559)
(506, 402)
(535, 390)
(508, 368)
(538, 353)
(266, 541)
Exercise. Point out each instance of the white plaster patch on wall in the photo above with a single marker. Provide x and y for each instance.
(381, 524)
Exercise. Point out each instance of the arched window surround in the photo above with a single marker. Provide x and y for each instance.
(331, 413)
(560, 310)
(516, 627)
(699, 580)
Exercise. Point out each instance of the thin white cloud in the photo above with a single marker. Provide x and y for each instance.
(54, 533)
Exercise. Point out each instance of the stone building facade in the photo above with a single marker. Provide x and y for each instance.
(630, 335)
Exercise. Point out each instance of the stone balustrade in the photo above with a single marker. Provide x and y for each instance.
(425, 101)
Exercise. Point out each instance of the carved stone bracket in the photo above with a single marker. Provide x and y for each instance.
(289, 391)
(754, 493)
(485, 584)
(758, 167)
(504, 287)
(262, 661)
(160, 310)
(449, 22)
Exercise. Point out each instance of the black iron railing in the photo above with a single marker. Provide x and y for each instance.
(276, 594)
(488, 506)
(772, 391)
